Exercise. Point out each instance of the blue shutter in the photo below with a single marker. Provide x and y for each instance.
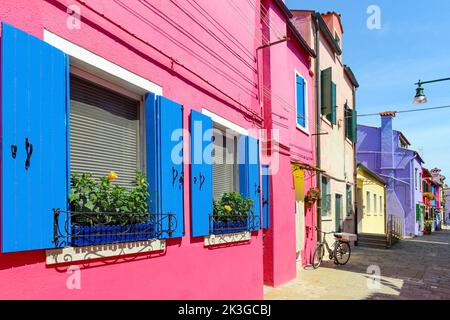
(249, 175)
(266, 197)
(34, 107)
(201, 173)
(301, 110)
(164, 124)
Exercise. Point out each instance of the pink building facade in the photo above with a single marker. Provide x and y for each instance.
(182, 65)
(289, 111)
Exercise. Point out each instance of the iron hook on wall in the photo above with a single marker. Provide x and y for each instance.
(29, 150)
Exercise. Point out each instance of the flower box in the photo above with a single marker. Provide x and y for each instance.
(226, 227)
(95, 235)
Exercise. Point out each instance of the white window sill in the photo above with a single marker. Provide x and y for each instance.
(214, 240)
(74, 254)
(327, 219)
(324, 119)
(303, 129)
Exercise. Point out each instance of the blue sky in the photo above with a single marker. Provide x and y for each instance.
(413, 43)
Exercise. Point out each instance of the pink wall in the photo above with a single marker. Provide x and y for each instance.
(280, 63)
(187, 270)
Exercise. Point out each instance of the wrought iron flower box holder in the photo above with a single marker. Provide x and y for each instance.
(233, 224)
(79, 229)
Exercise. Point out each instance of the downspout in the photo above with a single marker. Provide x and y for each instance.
(317, 119)
(355, 172)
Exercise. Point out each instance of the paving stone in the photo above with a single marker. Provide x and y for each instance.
(409, 270)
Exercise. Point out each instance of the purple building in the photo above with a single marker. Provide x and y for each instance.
(386, 152)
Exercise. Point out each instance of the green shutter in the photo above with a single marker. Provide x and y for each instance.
(326, 94)
(354, 126)
(333, 118)
(348, 121)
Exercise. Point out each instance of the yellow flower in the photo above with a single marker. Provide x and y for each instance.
(142, 181)
(112, 175)
(228, 208)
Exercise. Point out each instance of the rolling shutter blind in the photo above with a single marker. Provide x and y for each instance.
(223, 164)
(104, 132)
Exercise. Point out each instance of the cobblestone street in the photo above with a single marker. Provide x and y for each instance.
(417, 268)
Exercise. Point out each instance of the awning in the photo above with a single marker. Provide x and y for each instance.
(305, 166)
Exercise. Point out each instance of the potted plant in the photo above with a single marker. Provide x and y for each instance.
(428, 227)
(231, 213)
(429, 196)
(312, 196)
(103, 212)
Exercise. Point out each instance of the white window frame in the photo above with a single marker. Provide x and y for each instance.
(368, 195)
(305, 129)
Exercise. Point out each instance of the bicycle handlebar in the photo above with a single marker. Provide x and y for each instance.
(332, 232)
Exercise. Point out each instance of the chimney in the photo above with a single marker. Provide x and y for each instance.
(387, 141)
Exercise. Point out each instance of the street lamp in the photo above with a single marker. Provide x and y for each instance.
(420, 97)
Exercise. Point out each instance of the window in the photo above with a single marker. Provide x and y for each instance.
(416, 178)
(338, 39)
(104, 132)
(420, 182)
(375, 210)
(328, 96)
(301, 101)
(381, 205)
(326, 197)
(350, 123)
(224, 157)
(368, 202)
(349, 200)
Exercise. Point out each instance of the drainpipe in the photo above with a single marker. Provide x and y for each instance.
(355, 173)
(317, 117)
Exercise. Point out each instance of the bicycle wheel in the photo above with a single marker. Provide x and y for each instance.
(342, 253)
(318, 256)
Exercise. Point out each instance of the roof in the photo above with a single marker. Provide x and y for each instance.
(326, 31)
(288, 14)
(284, 8)
(403, 137)
(371, 173)
(338, 15)
(351, 76)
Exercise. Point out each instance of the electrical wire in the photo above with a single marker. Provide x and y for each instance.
(251, 113)
(194, 39)
(221, 29)
(406, 111)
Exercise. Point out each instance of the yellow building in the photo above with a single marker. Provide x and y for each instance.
(371, 202)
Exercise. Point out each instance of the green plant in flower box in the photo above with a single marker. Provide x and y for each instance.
(231, 207)
(112, 203)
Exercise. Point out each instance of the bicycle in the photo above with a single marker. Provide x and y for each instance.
(339, 253)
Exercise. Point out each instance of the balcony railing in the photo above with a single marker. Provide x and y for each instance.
(227, 224)
(79, 229)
